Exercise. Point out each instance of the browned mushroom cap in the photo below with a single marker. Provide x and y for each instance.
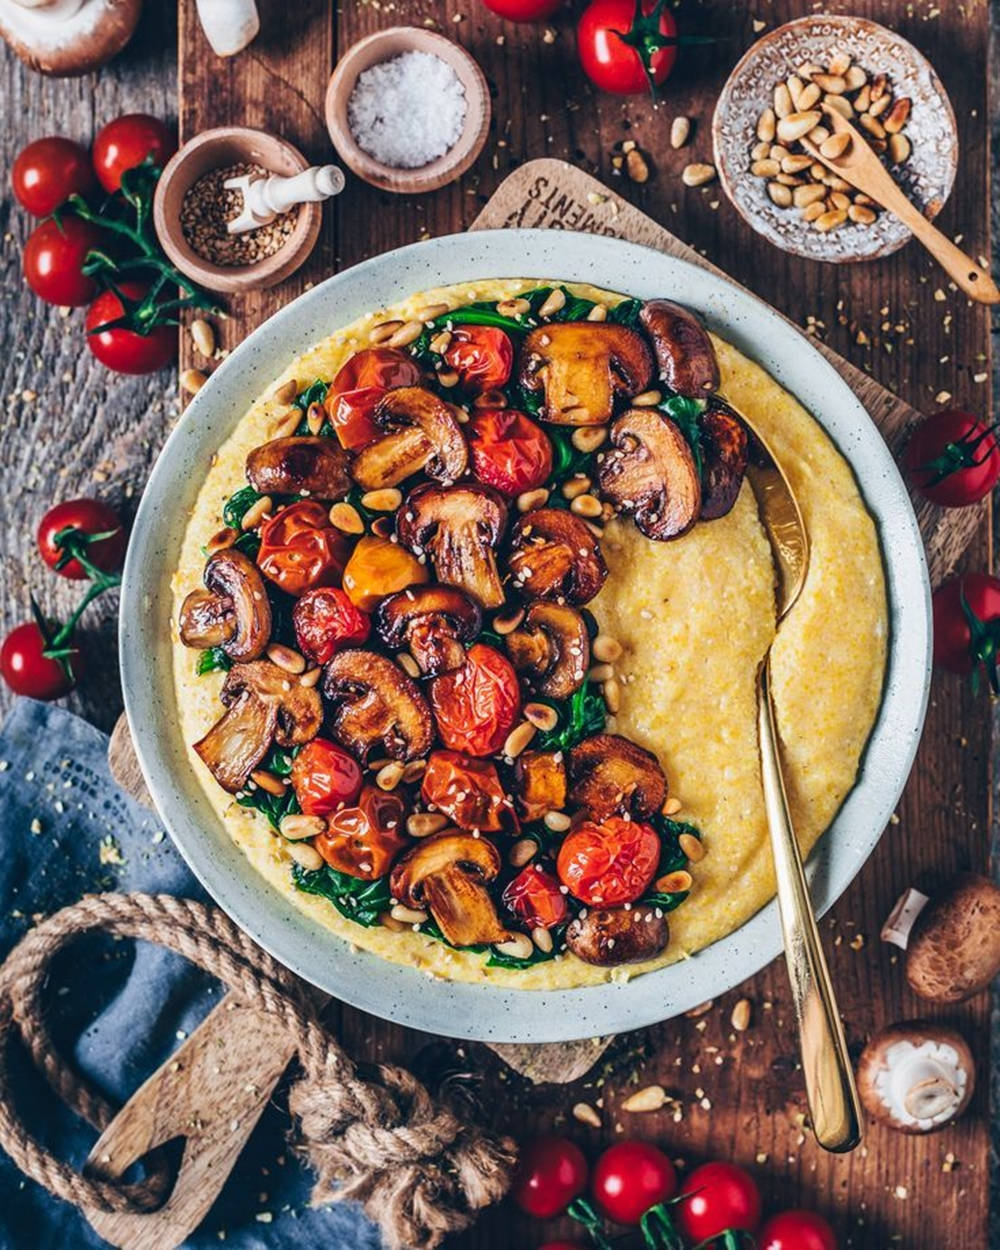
(552, 648)
(300, 709)
(374, 703)
(448, 873)
(611, 775)
(684, 352)
(423, 433)
(954, 947)
(540, 783)
(433, 621)
(554, 555)
(206, 620)
(582, 366)
(650, 474)
(234, 609)
(724, 450)
(458, 528)
(613, 935)
(916, 1076)
(299, 466)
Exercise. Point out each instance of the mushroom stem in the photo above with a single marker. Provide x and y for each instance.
(901, 919)
(922, 1084)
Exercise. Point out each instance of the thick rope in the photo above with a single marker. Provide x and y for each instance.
(420, 1172)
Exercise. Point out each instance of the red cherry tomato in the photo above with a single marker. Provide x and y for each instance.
(476, 706)
(796, 1230)
(967, 625)
(523, 10)
(482, 356)
(629, 1178)
(53, 260)
(27, 671)
(614, 65)
(364, 840)
(563, 1245)
(358, 387)
(605, 865)
(326, 621)
(89, 516)
(127, 351)
(300, 549)
(535, 898)
(550, 1174)
(509, 451)
(48, 171)
(718, 1196)
(468, 791)
(325, 777)
(126, 142)
(954, 458)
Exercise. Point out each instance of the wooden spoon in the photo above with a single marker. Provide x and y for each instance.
(860, 166)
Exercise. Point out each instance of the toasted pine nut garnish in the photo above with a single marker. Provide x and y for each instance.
(672, 806)
(382, 526)
(384, 330)
(606, 649)
(646, 399)
(899, 149)
(554, 302)
(432, 311)
(516, 307)
(388, 921)
(528, 500)
(346, 518)
(651, 1098)
(192, 380)
(541, 715)
(286, 658)
(518, 946)
(835, 84)
(693, 848)
(408, 664)
(297, 825)
(680, 131)
(268, 781)
(586, 506)
(315, 416)
(522, 852)
(414, 770)
(518, 739)
(697, 175)
(674, 882)
(808, 96)
(389, 777)
(578, 484)
(601, 672)
(387, 499)
(701, 1010)
(598, 313)
(306, 856)
(740, 1019)
(586, 1114)
(287, 424)
(448, 378)
(287, 391)
(407, 333)
(440, 342)
(558, 822)
(835, 146)
(407, 915)
(831, 219)
(542, 938)
(203, 336)
(766, 169)
(795, 125)
(490, 399)
(612, 695)
(310, 677)
(221, 539)
(507, 621)
(766, 125)
(423, 824)
(258, 512)
(588, 438)
(779, 194)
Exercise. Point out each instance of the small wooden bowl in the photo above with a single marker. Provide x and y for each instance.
(215, 149)
(382, 46)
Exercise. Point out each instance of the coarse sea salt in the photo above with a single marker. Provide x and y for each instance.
(407, 111)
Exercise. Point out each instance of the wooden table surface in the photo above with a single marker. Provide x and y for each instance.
(71, 428)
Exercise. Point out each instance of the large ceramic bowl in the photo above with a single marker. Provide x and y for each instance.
(404, 994)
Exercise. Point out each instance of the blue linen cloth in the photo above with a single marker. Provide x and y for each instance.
(120, 1008)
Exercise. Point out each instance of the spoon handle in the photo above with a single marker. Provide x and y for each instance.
(829, 1078)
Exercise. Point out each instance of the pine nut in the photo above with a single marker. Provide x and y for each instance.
(840, 62)
(783, 105)
(296, 826)
(407, 333)
(795, 87)
(601, 672)
(740, 1019)
(765, 169)
(286, 658)
(832, 83)
(311, 677)
(554, 302)
(794, 164)
(528, 500)
(675, 882)
(880, 85)
(899, 149)
(586, 1114)
(879, 106)
(518, 739)
(203, 336)
(448, 378)
(606, 649)
(872, 125)
(221, 539)
(408, 664)
(762, 150)
(440, 342)
(268, 781)
(306, 856)
(558, 822)
(835, 146)
(192, 380)
(788, 180)
(819, 134)
(863, 100)
(408, 915)
(258, 512)
(507, 621)
(612, 695)
(796, 125)
(542, 938)
(780, 194)
(809, 96)
(286, 392)
(855, 77)
(389, 777)
(636, 166)
(697, 175)
(432, 311)
(414, 771)
(513, 307)
(287, 424)
(899, 116)
(647, 399)
(802, 197)
(541, 715)
(423, 824)
(701, 1010)
(652, 1098)
(346, 518)
(522, 852)
(808, 68)
(766, 125)
(814, 210)
(693, 848)
(680, 132)
(389, 921)
(578, 484)
(831, 219)
(598, 313)
(315, 416)
(837, 184)
(840, 104)
(518, 946)
(839, 200)
(586, 505)
(861, 215)
(385, 500)
(587, 438)
(384, 330)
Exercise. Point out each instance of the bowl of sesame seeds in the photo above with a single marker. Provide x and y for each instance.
(192, 208)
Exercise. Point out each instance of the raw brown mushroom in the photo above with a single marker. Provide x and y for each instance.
(66, 38)
(724, 451)
(954, 946)
(447, 873)
(458, 529)
(612, 935)
(554, 555)
(540, 783)
(234, 609)
(422, 433)
(299, 466)
(650, 474)
(373, 703)
(581, 366)
(551, 649)
(613, 776)
(433, 622)
(916, 1076)
(684, 351)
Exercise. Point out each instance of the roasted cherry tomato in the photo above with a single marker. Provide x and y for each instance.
(509, 451)
(121, 349)
(325, 777)
(716, 1197)
(53, 260)
(954, 458)
(364, 840)
(126, 142)
(605, 865)
(551, 1172)
(326, 621)
(300, 549)
(27, 671)
(623, 54)
(467, 791)
(476, 706)
(523, 10)
(89, 517)
(796, 1230)
(379, 567)
(534, 897)
(967, 626)
(482, 356)
(48, 171)
(359, 386)
(629, 1178)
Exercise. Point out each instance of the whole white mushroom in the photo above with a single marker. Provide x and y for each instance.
(916, 1076)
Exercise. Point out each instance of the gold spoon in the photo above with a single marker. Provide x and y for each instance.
(826, 1065)
(859, 165)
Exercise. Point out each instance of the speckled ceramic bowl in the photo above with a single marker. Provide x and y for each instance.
(358, 977)
(927, 177)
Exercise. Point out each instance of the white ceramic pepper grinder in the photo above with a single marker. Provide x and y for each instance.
(265, 198)
(229, 25)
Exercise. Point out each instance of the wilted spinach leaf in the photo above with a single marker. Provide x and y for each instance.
(214, 660)
(238, 505)
(360, 901)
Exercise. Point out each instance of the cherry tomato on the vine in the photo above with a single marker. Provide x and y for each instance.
(89, 516)
(607, 864)
(614, 47)
(629, 1178)
(523, 10)
(300, 549)
(53, 260)
(28, 671)
(126, 142)
(468, 791)
(326, 621)
(47, 172)
(476, 706)
(954, 458)
(509, 451)
(716, 1197)
(535, 898)
(967, 625)
(325, 777)
(122, 349)
(482, 356)
(358, 387)
(796, 1230)
(551, 1172)
(364, 840)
